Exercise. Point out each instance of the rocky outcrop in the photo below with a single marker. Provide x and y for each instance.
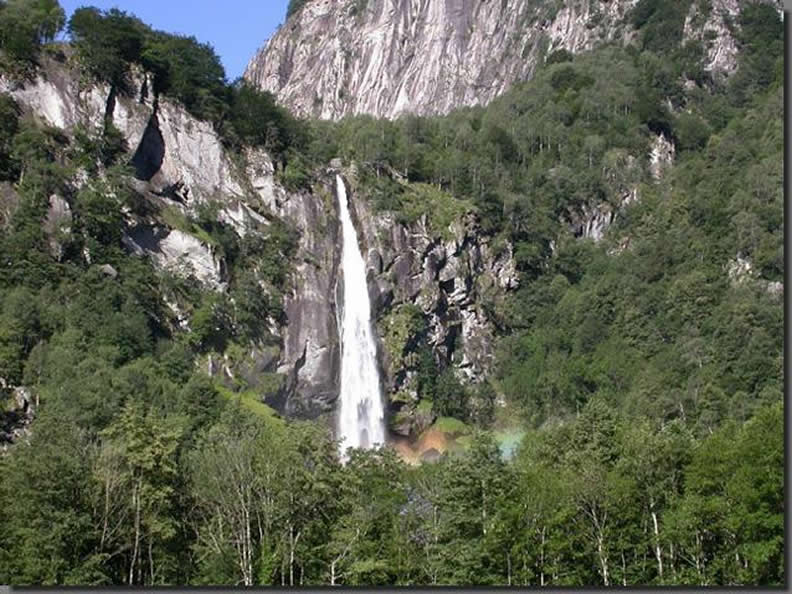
(179, 156)
(661, 156)
(57, 225)
(385, 57)
(15, 418)
(433, 289)
(179, 253)
(311, 350)
(740, 271)
(712, 24)
(622, 175)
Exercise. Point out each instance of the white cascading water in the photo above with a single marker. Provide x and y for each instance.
(361, 420)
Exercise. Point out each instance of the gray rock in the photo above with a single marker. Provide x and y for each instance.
(775, 288)
(401, 424)
(108, 270)
(328, 61)
(592, 222)
(446, 279)
(713, 30)
(431, 455)
(661, 156)
(15, 423)
(57, 225)
(23, 397)
(179, 253)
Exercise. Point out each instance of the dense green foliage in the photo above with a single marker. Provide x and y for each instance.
(598, 500)
(24, 26)
(649, 379)
(661, 326)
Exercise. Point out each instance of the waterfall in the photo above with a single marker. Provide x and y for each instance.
(360, 418)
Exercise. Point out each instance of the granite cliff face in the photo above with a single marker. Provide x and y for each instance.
(386, 57)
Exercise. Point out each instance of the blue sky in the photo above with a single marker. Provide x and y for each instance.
(236, 28)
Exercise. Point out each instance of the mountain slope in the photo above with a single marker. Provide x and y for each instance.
(337, 57)
(334, 58)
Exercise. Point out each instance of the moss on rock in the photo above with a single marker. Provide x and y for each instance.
(397, 328)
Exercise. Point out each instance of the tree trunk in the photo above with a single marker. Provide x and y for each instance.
(483, 508)
(541, 559)
(291, 555)
(698, 558)
(151, 561)
(106, 518)
(624, 570)
(658, 550)
(136, 546)
(603, 561)
(248, 548)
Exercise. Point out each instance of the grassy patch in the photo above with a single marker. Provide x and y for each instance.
(451, 426)
(251, 402)
(464, 441)
(8, 404)
(176, 219)
(425, 407)
(440, 207)
(271, 383)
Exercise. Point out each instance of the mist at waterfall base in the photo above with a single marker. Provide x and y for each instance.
(361, 419)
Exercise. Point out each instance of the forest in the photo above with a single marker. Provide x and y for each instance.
(648, 377)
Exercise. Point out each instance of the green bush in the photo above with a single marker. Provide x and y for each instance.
(107, 42)
(9, 126)
(27, 24)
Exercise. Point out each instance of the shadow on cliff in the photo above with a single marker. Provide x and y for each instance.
(150, 153)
